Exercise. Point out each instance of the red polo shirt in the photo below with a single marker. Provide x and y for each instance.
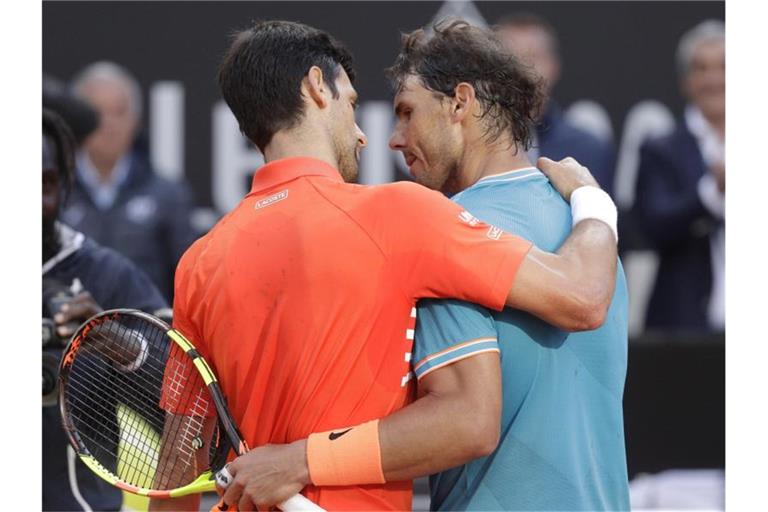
(303, 300)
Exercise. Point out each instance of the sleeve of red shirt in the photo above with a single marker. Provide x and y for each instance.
(437, 249)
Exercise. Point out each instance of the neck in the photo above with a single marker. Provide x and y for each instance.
(104, 165)
(293, 143)
(490, 159)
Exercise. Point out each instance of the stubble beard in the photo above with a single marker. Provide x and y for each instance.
(347, 159)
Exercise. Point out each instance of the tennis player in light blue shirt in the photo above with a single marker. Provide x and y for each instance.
(562, 437)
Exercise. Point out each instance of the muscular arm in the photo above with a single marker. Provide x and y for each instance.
(572, 288)
(456, 419)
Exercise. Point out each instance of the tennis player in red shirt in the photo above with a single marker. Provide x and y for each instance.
(303, 297)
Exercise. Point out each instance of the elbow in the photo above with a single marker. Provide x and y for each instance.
(589, 308)
(487, 443)
(595, 319)
(481, 437)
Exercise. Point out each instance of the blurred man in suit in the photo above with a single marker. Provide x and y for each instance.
(680, 198)
(118, 199)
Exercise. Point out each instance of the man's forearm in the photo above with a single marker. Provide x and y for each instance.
(456, 419)
(433, 434)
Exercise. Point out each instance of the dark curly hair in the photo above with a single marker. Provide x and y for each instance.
(261, 72)
(55, 127)
(508, 90)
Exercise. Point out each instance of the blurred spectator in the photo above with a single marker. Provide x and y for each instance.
(680, 199)
(79, 279)
(117, 198)
(535, 41)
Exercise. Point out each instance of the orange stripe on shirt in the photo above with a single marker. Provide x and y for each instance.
(451, 349)
(451, 361)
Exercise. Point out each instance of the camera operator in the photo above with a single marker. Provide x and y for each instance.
(80, 278)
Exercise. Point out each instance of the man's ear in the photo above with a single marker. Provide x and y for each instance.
(464, 102)
(314, 87)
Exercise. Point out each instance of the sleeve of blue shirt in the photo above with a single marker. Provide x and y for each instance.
(448, 331)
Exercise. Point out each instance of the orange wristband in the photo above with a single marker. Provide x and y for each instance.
(346, 456)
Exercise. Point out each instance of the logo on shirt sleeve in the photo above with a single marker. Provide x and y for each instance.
(269, 201)
(470, 219)
(494, 233)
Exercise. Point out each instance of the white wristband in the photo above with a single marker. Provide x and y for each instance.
(593, 203)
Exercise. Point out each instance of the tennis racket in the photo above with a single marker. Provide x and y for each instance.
(144, 411)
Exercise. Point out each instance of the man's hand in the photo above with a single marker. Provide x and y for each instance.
(267, 475)
(566, 175)
(82, 307)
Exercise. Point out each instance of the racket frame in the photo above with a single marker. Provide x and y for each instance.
(205, 482)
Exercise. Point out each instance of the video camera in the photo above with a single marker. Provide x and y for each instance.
(55, 295)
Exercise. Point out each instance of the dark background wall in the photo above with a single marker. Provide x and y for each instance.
(615, 53)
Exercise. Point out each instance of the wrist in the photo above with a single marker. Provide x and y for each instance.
(299, 450)
(590, 202)
(349, 456)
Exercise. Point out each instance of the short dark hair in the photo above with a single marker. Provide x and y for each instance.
(528, 20)
(261, 73)
(55, 127)
(508, 90)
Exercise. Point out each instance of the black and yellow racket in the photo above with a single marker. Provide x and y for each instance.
(144, 410)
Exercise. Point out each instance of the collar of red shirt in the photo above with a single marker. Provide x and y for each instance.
(288, 169)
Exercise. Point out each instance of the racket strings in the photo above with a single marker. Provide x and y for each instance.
(118, 388)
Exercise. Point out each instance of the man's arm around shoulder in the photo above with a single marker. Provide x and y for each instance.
(572, 288)
(456, 419)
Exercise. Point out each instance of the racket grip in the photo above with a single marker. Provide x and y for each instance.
(298, 503)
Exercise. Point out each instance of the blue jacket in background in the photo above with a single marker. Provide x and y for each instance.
(149, 222)
(678, 226)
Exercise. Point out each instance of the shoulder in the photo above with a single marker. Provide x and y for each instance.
(450, 330)
(391, 199)
(403, 191)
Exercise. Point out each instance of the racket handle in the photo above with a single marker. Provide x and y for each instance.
(296, 503)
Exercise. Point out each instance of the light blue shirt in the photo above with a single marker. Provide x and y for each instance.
(562, 432)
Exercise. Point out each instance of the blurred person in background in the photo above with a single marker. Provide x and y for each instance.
(535, 42)
(118, 199)
(80, 278)
(680, 198)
